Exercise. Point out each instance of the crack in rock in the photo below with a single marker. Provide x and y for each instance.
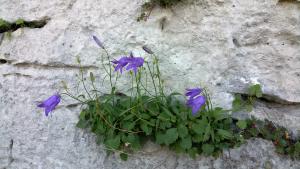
(1, 38)
(271, 99)
(11, 159)
(53, 65)
(6, 26)
(17, 74)
(9, 156)
(3, 61)
(289, 1)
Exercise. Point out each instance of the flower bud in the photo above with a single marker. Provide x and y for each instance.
(146, 49)
(98, 42)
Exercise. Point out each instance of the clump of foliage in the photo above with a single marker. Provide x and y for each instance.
(284, 143)
(255, 128)
(244, 102)
(124, 122)
(148, 7)
(6, 26)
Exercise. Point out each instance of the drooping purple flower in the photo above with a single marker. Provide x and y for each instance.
(196, 103)
(50, 103)
(131, 63)
(195, 99)
(98, 42)
(135, 63)
(193, 92)
(121, 63)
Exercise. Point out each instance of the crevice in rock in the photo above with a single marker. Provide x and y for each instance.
(53, 65)
(3, 61)
(17, 75)
(271, 99)
(290, 1)
(1, 38)
(71, 4)
(236, 42)
(11, 159)
(6, 26)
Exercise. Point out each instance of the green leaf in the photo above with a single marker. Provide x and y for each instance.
(146, 128)
(197, 138)
(145, 116)
(219, 114)
(128, 125)
(152, 108)
(279, 150)
(182, 131)
(164, 116)
(237, 103)
(192, 152)
(159, 138)
(167, 138)
(186, 143)
(100, 129)
(82, 124)
(242, 124)
(208, 149)
(165, 124)
(171, 136)
(129, 117)
(255, 90)
(82, 115)
(200, 126)
(178, 149)
(297, 147)
(225, 134)
(20, 22)
(3, 23)
(123, 156)
(134, 141)
(207, 133)
(113, 143)
(171, 116)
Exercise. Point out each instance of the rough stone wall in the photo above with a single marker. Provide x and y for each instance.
(225, 44)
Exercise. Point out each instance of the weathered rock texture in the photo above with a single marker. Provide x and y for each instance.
(225, 44)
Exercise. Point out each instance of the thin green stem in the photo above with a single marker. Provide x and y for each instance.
(72, 96)
(131, 94)
(110, 74)
(82, 80)
(161, 89)
(152, 77)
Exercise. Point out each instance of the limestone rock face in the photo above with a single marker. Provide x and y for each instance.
(225, 45)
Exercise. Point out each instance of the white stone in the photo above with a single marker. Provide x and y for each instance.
(211, 42)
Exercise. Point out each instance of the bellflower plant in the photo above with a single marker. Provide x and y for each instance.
(50, 103)
(122, 120)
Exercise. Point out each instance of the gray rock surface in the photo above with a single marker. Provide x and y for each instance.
(226, 45)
